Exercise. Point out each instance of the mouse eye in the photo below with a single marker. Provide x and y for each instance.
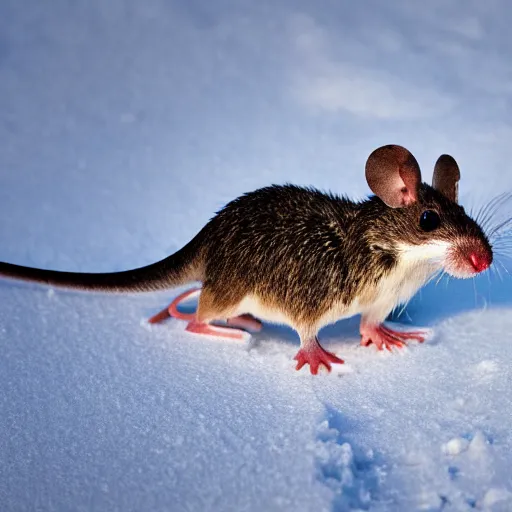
(429, 220)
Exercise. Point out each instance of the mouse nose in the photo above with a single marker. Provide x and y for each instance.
(480, 260)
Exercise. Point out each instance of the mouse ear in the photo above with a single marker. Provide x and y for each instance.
(446, 177)
(393, 174)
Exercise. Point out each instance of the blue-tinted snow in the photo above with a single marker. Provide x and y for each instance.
(123, 127)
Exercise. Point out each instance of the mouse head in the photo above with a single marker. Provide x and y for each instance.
(427, 220)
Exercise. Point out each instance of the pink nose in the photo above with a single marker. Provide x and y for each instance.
(480, 261)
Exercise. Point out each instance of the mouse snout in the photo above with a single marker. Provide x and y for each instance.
(480, 260)
(477, 256)
(469, 258)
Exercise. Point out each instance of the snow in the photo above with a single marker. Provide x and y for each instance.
(123, 127)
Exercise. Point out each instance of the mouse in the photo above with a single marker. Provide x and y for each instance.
(307, 258)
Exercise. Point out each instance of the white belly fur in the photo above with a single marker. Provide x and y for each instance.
(416, 266)
(252, 305)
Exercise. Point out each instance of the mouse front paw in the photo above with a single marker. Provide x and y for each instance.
(315, 355)
(384, 337)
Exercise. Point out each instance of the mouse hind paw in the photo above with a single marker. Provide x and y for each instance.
(228, 331)
(217, 331)
(172, 309)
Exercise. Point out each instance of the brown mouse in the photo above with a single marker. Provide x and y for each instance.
(306, 259)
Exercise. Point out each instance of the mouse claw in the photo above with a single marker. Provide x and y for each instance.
(385, 338)
(315, 355)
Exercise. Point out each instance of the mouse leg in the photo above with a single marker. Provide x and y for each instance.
(215, 307)
(312, 353)
(246, 322)
(209, 309)
(384, 337)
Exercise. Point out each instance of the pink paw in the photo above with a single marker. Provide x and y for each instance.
(384, 337)
(172, 309)
(217, 331)
(314, 355)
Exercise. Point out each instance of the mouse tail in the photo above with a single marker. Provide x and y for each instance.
(181, 267)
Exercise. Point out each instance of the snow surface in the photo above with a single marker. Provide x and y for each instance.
(123, 126)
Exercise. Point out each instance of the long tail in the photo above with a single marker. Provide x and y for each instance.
(183, 266)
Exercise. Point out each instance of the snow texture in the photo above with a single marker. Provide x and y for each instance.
(123, 126)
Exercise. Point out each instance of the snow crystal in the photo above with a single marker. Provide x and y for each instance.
(455, 446)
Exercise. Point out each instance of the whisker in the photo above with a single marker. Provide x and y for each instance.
(487, 214)
(402, 309)
(500, 226)
(434, 275)
(498, 273)
(400, 312)
(503, 267)
(483, 213)
(498, 229)
(502, 240)
(490, 209)
(503, 254)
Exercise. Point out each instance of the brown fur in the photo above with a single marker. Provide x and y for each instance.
(300, 252)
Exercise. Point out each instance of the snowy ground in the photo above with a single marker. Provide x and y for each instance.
(123, 127)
